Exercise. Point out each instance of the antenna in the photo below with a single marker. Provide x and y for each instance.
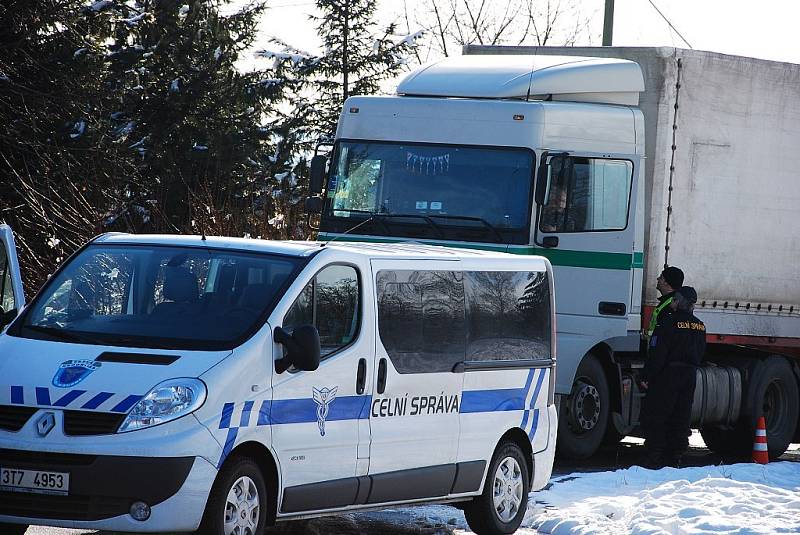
(530, 78)
(348, 231)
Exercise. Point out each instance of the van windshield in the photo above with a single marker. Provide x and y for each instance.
(159, 297)
(451, 192)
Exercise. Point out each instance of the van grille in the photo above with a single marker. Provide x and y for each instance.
(14, 418)
(91, 423)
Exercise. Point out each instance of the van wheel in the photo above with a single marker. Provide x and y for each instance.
(237, 504)
(501, 507)
(13, 529)
(584, 412)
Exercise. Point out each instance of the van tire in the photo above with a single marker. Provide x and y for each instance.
(239, 487)
(587, 405)
(508, 477)
(13, 529)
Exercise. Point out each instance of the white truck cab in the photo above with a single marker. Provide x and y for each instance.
(176, 383)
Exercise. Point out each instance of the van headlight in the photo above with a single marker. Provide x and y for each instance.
(165, 402)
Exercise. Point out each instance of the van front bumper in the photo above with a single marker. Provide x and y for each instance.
(102, 489)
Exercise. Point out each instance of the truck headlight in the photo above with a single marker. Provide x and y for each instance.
(165, 402)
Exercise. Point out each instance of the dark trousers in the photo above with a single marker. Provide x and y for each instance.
(668, 411)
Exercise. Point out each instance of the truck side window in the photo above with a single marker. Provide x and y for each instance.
(421, 319)
(593, 195)
(332, 303)
(508, 315)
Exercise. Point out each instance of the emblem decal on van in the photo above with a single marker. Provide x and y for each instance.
(323, 397)
(73, 372)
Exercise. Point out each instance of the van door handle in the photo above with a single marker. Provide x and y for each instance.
(361, 376)
(381, 376)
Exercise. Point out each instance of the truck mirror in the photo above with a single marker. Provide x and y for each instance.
(302, 348)
(541, 181)
(314, 205)
(318, 165)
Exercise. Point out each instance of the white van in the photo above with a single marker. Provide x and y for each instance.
(174, 383)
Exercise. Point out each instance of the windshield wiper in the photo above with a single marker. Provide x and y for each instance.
(425, 218)
(55, 333)
(382, 217)
(485, 223)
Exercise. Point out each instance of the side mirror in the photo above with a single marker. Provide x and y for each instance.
(314, 205)
(318, 172)
(302, 348)
(543, 175)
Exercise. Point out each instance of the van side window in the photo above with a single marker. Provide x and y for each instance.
(6, 284)
(592, 195)
(421, 319)
(508, 315)
(332, 303)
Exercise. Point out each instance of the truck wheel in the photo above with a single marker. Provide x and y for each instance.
(584, 412)
(501, 507)
(237, 504)
(772, 392)
(13, 529)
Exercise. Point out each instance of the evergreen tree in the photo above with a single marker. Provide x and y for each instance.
(192, 119)
(58, 168)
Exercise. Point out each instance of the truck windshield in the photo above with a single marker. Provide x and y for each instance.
(159, 297)
(447, 192)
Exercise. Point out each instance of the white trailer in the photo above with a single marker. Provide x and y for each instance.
(670, 156)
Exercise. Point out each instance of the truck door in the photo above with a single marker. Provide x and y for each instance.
(320, 429)
(586, 228)
(414, 414)
(12, 297)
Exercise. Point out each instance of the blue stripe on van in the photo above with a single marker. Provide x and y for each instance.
(17, 397)
(225, 420)
(304, 410)
(127, 404)
(42, 396)
(527, 387)
(68, 398)
(98, 400)
(535, 424)
(504, 399)
(245, 419)
(230, 440)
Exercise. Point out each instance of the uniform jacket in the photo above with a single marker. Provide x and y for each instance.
(679, 340)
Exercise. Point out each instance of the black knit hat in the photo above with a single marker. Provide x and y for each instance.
(688, 293)
(673, 276)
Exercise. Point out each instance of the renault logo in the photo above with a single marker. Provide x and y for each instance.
(45, 424)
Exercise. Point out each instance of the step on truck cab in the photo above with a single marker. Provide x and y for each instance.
(170, 383)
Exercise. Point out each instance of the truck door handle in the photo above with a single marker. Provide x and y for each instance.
(611, 309)
(361, 376)
(381, 376)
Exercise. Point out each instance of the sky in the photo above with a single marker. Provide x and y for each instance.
(765, 29)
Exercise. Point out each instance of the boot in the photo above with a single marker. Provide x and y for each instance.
(654, 458)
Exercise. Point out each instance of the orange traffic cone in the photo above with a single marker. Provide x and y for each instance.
(760, 453)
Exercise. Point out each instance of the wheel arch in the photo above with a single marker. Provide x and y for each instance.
(269, 468)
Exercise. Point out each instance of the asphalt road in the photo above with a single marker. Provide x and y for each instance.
(400, 522)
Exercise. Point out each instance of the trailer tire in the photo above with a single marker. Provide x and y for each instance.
(772, 392)
(584, 412)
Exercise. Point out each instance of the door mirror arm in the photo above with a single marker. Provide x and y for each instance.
(302, 348)
(540, 195)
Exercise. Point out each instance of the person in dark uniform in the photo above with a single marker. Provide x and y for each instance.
(671, 279)
(676, 350)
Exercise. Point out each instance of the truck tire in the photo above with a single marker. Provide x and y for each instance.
(504, 501)
(12, 529)
(238, 496)
(584, 412)
(772, 392)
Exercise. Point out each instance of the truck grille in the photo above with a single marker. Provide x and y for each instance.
(91, 423)
(14, 418)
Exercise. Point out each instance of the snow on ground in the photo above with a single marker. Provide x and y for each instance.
(739, 499)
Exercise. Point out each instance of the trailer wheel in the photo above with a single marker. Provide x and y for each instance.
(584, 412)
(772, 392)
(237, 504)
(502, 505)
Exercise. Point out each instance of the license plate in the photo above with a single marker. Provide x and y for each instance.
(19, 480)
